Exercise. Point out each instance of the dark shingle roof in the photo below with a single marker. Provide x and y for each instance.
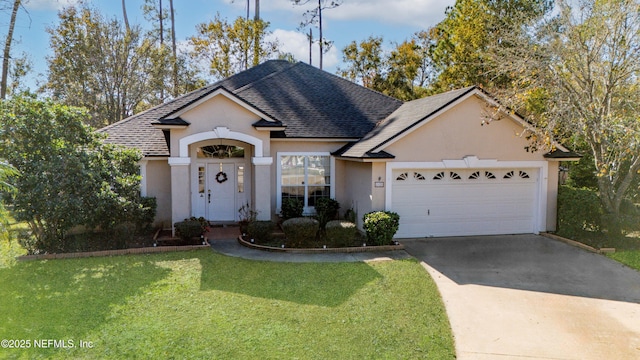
(309, 102)
(559, 154)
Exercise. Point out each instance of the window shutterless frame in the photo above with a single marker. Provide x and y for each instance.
(308, 158)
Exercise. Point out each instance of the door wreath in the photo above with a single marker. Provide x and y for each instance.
(221, 177)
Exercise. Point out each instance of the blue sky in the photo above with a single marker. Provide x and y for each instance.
(354, 20)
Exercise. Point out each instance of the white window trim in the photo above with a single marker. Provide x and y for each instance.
(472, 162)
(332, 181)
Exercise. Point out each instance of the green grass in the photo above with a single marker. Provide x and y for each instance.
(200, 304)
(630, 258)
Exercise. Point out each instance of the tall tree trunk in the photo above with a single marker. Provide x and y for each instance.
(7, 50)
(161, 23)
(174, 59)
(256, 41)
(161, 46)
(321, 40)
(126, 18)
(310, 46)
(257, 14)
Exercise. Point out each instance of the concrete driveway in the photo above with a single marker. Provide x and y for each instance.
(530, 297)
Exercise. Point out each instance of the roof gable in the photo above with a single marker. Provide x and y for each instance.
(414, 114)
(403, 120)
(219, 91)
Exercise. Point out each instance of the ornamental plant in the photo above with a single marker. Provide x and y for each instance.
(326, 210)
(340, 232)
(300, 231)
(191, 228)
(292, 208)
(261, 231)
(381, 226)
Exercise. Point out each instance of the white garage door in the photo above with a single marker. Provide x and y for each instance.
(464, 202)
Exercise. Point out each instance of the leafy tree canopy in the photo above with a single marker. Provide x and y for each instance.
(228, 48)
(402, 73)
(576, 75)
(68, 177)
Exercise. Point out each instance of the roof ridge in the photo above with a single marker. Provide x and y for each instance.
(270, 75)
(340, 78)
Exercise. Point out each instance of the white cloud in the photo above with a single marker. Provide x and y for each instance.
(297, 44)
(420, 13)
(49, 4)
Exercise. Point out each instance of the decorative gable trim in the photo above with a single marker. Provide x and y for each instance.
(220, 132)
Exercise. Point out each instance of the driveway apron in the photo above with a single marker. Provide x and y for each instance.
(530, 297)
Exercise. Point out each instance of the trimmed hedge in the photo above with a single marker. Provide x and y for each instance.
(300, 231)
(381, 226)
(326, 210)
(340, 233)
(261, 231)
(292, 208)
(188, 229)
(579, 211)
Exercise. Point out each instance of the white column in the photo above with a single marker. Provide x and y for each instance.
(143, 175)
(180, 190)
(262, 181)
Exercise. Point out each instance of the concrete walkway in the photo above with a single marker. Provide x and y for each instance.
(530, 297)
(229, 245)
(233, 248)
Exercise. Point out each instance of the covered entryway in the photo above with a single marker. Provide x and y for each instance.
(458, 202)
(219, 186)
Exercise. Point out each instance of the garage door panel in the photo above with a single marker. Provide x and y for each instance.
(441, 205)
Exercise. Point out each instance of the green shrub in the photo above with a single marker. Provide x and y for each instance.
(300, 231)
(292, 208)
(381, 226)
(326, 210)
(145, 214)
(260, 231)
(190, 228)
(579, 211)
(340, 233)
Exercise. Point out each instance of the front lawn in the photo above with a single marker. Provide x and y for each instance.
(200, 304)
(630, 258)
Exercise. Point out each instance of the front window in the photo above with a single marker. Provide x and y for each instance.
(305, 177)
(220, 151)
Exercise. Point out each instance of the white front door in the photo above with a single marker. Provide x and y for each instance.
(221, 192)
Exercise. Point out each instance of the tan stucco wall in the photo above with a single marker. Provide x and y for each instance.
(552, 196)
(159, 186)
(459, 132)
(218, 111)
(358, 188)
